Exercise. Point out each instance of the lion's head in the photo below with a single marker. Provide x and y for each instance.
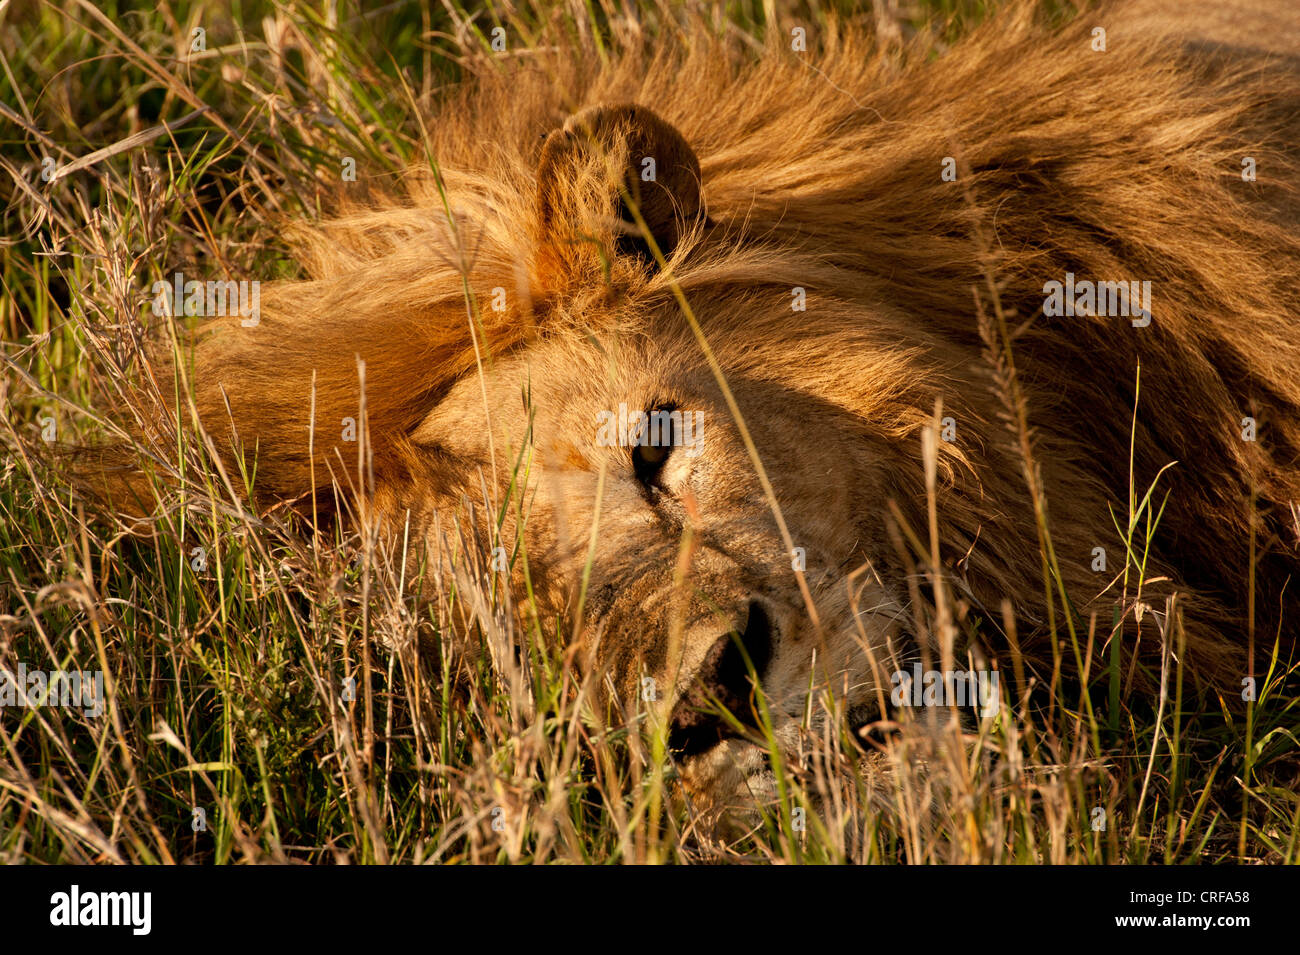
(701, 494)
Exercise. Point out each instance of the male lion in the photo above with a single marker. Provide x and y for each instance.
(787, 364)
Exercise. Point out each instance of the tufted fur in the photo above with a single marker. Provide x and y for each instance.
(821, 171)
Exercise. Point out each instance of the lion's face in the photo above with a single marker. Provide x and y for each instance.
(661, 536)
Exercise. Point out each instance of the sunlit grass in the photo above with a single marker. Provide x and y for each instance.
(319, 699)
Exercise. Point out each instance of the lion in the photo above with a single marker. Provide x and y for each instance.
(787, 369)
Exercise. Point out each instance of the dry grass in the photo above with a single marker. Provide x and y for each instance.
(319, 699)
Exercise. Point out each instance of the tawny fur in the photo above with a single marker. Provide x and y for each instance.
(821, 170)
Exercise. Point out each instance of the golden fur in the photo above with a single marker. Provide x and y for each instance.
(822, 171)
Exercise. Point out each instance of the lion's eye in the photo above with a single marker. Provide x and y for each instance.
(654, 444)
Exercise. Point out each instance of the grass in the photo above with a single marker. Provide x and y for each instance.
(281, 696)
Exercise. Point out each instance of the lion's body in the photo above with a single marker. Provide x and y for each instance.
(823, 171)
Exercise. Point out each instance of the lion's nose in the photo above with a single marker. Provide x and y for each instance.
(724, 681)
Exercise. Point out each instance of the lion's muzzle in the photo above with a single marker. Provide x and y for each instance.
(723, 691)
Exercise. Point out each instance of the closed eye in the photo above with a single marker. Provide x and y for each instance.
(654, 445)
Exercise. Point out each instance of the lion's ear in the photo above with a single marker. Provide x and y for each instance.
(604, 163)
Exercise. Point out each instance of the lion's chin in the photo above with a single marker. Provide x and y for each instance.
(727, 787)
